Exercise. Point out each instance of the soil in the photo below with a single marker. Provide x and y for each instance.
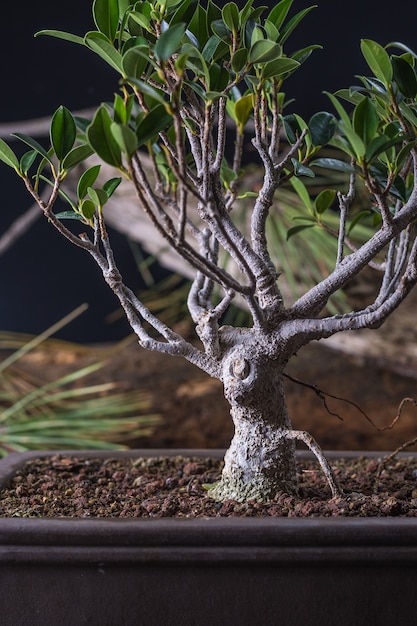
(67, 486)
(347, 399)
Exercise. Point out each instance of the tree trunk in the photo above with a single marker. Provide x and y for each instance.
(261, 459)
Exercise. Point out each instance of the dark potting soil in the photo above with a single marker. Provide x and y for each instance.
(66, 486)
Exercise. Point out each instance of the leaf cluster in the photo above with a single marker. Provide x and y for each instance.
(182, 63)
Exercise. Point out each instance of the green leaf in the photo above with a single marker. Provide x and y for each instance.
(135, 61)
(271, 31)
(152, 123)
(122, 109)
(27, 160)
(239, 59)
(263, 51)
(378, 60)
(211, 96)
(87, 179)
(231, 18)
(69, 215)
(356, 143)
(324, 200)
(197, 62)
(34, 145)
(365, 120)
(169, 41)
(59, 34)
(292, 24)
(221, 31)
(98, 196)
(408, 113)
(339, 108)
(279, 12)
(291, 127)
(141, 19)
(185, 12)
(302, 192)
(63, 132)
(298, 229)
(101, 139)
(106, 17)
(111, 185)
(403, 154)
(8, 156)
(279, 67)
(333, 164)
(302, 170)
(404, 76)
(104, 49)
(322, 127)
(88, 209)
(198, 25)
(380, 144)
(243, 109)
(359, 217)
(125, 137)
(303, 54)
(147, 89)
(219, 77)
(76, 156)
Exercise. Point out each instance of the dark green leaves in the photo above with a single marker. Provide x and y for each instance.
(106, 17)
(8, 156)
(87, 179)
(59, 34)
(35, 145)
(365, 120)
(135, 61)
(150, 124)
(99, 43)
(264, 50)
(62, 132)
(404, 76)
(169, 41)
(279, 67)
(125, 137)
(243, 109)
(378, 60)
(76, 156)
(322, 127)
(335, 165)
(102, 140)
(279, 12)
(324, 200)
(90, 198)
(231, 18)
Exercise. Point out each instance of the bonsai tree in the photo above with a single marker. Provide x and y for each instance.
(195, 80)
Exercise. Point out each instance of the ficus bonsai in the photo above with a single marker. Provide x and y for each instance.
(196, 80)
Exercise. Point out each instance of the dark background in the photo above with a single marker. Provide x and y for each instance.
(42, 278)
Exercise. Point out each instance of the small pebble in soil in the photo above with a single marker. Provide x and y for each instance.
(67, 486)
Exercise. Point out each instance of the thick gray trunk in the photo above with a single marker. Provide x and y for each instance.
(261, 459)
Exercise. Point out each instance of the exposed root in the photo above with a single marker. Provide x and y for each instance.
(311, 443)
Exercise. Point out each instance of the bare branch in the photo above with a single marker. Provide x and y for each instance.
(221, 136)
(345, 203)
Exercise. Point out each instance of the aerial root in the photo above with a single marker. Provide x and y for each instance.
(311, 443)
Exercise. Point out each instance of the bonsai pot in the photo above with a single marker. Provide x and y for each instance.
(213, 571)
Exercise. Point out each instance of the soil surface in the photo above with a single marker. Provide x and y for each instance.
(67, 486)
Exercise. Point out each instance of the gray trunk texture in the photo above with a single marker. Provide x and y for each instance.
(261, 458)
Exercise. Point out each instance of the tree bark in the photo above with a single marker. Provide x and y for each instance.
(261, 459)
